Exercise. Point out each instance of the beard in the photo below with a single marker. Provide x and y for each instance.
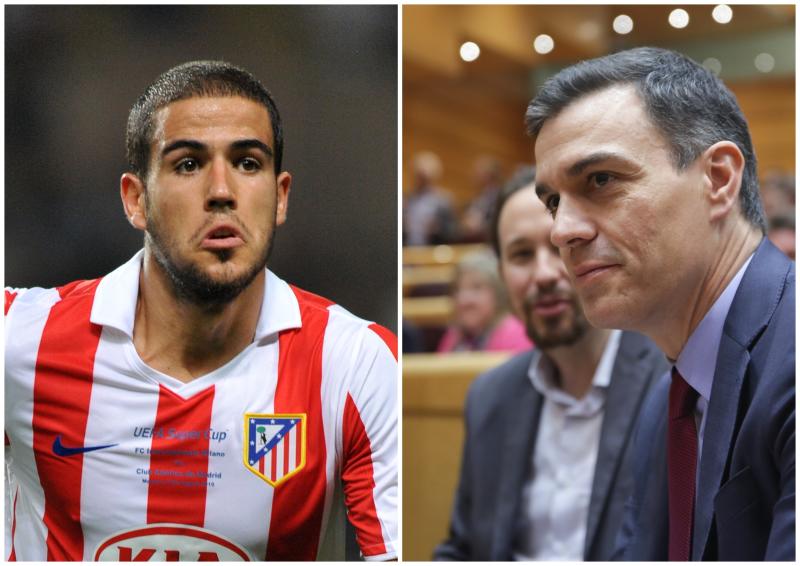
(189, 282)
(564, 330)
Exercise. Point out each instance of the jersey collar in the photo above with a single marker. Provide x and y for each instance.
(115, 301)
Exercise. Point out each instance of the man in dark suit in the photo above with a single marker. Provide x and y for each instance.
(645, 162)
(546, 463)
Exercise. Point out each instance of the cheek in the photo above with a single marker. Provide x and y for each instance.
(639, 229)
(516, 280)
(488, 302)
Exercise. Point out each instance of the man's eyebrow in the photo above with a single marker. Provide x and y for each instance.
(579, 166)
(598, 157)
(252, 143)
(178, 144)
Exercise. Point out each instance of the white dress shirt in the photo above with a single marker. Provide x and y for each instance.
(555, 499)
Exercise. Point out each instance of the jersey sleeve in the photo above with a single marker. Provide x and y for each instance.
(11, 296)
(369, 445)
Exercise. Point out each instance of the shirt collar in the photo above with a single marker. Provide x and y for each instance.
(542, 370)
(115, 301)
(698, 359)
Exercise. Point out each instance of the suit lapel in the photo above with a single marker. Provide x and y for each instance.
(722, 408)
(751, 310)
(520, 425)
(625, 393)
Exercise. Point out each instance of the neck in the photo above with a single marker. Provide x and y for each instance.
(577, 362)
(734, 246)
(184, 340)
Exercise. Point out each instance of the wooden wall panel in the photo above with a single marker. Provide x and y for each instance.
(434, 390)
(769, 107)
(460, 122)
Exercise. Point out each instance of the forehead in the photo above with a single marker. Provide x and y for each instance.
(473, 276)
(213, 118)
(523, 217)
(612, 120)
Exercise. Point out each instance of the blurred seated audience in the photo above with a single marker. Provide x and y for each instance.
(482, 321)
(778, 194)
(477, 217)
(412, 338)
(428, 216)
(780, 232)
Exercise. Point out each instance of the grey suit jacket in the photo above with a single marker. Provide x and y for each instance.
(502, 418)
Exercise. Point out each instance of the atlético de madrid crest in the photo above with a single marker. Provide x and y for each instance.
(274, 446)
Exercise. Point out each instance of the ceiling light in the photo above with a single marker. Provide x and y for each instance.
(679, 18)
(589, 30)
(469, 51)
(543, 44)
(722, 14)
(623, 24)
(765, 62)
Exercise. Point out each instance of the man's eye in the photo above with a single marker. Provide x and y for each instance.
(187, 165)
(600, 179)
(522, 256)
(249, 164)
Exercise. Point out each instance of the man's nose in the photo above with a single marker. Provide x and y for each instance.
(220, 193)
(547, 268)
(572, 226)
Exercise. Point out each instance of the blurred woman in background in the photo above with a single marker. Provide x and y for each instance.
(481, 319)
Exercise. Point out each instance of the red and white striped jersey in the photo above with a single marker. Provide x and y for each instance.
(109, 459)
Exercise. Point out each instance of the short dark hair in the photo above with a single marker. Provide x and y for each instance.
(687, 103)
(523, 177)
(194, 79)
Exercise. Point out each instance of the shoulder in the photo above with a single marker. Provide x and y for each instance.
(356, 353)
(37, 300)
(337, 320)
(765, 297)
(492, 389)
(33, 313)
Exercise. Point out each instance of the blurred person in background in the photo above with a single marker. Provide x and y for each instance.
(428, 215)
(778, 194)
(480, 311)
(477, 218)
(546, 466)
(781, 232)
(778, 198)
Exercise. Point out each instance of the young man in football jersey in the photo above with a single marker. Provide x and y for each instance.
(191, 405)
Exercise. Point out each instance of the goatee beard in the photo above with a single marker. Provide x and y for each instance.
(554, 336)
(190, 284)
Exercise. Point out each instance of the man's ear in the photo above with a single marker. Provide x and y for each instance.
(284, 185)
(131, 190)
(724, 168)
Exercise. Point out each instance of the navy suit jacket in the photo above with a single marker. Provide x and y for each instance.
(745, 496)
(502, 418)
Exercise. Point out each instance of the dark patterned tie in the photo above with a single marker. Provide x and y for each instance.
(681, 466)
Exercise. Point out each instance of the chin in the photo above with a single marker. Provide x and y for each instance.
(604, 314)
